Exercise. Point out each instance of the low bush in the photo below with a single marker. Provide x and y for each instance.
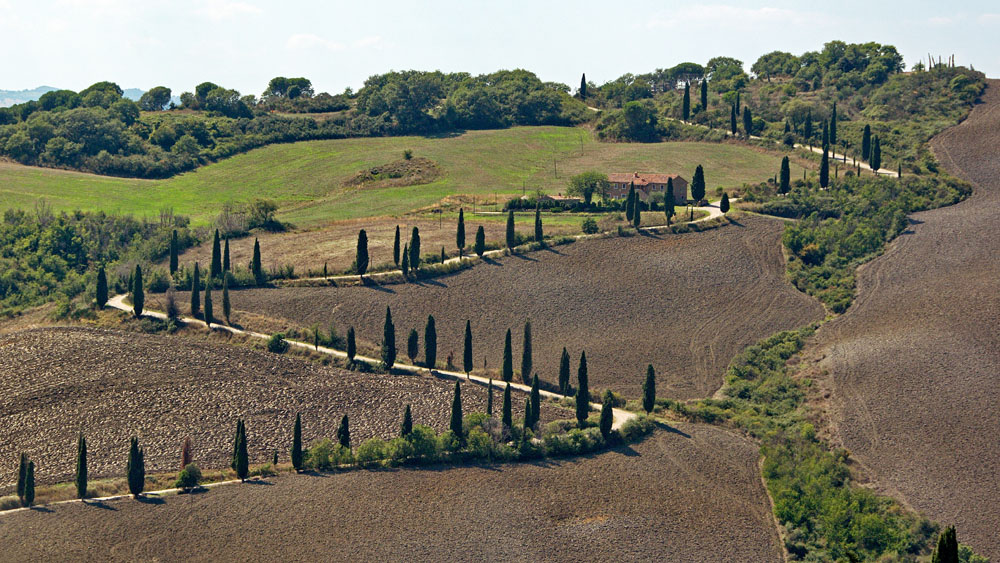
(277, 344)
(189, 477)
(371, 452)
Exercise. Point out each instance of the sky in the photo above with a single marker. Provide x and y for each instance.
(242, 44)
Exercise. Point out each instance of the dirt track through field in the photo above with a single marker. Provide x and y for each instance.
(693, 495)
(685, 303)
(915, 360)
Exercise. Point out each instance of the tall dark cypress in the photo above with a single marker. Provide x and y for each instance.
(686, 107)
(649, 390)
(747, 121)
(430, 343)
(405, 267)
(344, 432)
(786, 176)
(255, 265)
(456, 414)
(480, 247)
(29, 485)
(507, 417)
(527, 417)
(947, 547)
(395, 247)
(196, 291)
(407, 425)
(630, 202)
(81, 466)
(489, 399)
(539, 236)
(102, 288)
(352, 347)
(467, 349)
(22, 475)
(361, 256)
(242, 455)
(607, 414)
(833, 125)
(173, 252)
(415, 249)
(209, 312)
(216, 265)
(138, 293)
(564, 372)
(227, 307)
(388, 341)
(236, 443)
(698, 184)
(135, 468)
(866, 143)
(824, 169)
(724, 203)
(669, 200)
(460, 233)
(582, 392)
(876, 160)
(297, 443)
(704, 94)
(536, 402)
(413, 344)
(510, 239)
(507, 371)
(526, 354)
(732, 120)
(227, 266)
(637, 211)
(583, 86)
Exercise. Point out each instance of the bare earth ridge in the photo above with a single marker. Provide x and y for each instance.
(914, 362)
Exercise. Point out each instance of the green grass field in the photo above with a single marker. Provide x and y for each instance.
(306, 179)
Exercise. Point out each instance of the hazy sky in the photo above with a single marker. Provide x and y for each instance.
(243, 43)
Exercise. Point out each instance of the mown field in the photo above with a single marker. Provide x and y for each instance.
(306, 178)
(692, 494)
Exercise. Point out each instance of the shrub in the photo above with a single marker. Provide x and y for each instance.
(398, 450)
(326, 454)
(636, 428)
(277, 344)
(574, 442)
(371, 452)
(424, 442)
(449, 442)
(189, 477)
(589, 226)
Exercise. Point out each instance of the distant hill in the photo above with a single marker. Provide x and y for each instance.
(11, 97)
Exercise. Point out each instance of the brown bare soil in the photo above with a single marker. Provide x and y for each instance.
(693, 496)
(685, 303)
(913, 364)
(56, 382)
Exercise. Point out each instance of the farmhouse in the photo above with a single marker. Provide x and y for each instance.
(647, 185)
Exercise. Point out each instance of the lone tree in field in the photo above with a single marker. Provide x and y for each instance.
(395, 248)
(582, 392)
(352, 347)
(866, 143)
(216, 265)
(583, 86)
(467, 350)
(22, 475)
(388, 341)
(686, 107)
(460, 233)
(430, 343)
(255, 265)
(236, 443)
(507, 371)
(511, 239)
(297, 443)
(526, 354)
(833, 124)
(649, 390)
(361, 257)
(456, 414)
(209, 317)
(406, 261)
(506, 417)
(480, 247)
(669, 201)
(173, 252)
(876, 161)
(136, 468)
(29, 485)
(138, 297)
(415, 249)
(732, 120)
(630, 202)
(407, 426)
(564, 372)
(227, 266)
(947, 547)
(724, 203)
(242, 461)
(824, 169)
(536, 403)
(539, 235)
(196, 291)
(412, 345)
(784, 184)
(607, 414)
(81, 466)
(747, 121)
(704, 94)
(698, 184)
(102, 288)
(489, 399)
(227, 307)
(344, 432)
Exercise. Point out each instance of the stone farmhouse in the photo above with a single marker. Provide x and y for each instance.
(647, 185)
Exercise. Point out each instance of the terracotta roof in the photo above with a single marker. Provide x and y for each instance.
(641, 178)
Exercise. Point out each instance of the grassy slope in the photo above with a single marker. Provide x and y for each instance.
(306, 178)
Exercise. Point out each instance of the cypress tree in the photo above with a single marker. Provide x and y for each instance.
(226, 264)
(866, 143)
(511, 240)
(686, 107)
(135, 468)
(29, 485)
(395, 248)
(236, 443)
(467, 350)
(255, 265)
(704, 94)
(209, 318)
(415, 249)
(539, 236)
(824, 169)
(81, 466)
(297, 443)
(456, 414)
(876, 160)
(430, 343)
(173, 252)
(242, 455)
(460, 233)
(388, 341)
(698, 184)
(226, 305)
(196, 291)
(724, 204)
(352, 347)
(899, 169)
(507, 371)
(489, 399)
(582, 392)
(564, 372)
(216, 265)
(607, 415)
(807, 128)
(527, 418)
(747, 121)
(637, 212)
(649, 390)
(786, 177)
(526, 354)
(406, 261)
(630, 202)
(788, 127)
(507, 418)
(412, 345)
(947, 547)
(732, 120)
(583, 86)
(361, 257)
(407, 426)
(536, 402)
(22, 475)
(833, 125)
(480, 247)
(138, 296)
(102, 288)
(669, 200)
(344, 432)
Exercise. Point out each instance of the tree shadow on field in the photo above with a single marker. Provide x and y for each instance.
(491, 262)
(912, 223)
(311, 473)
(431, 282)
(40, 509)
(367, 282)
(146, 499)
(258, 482)
(99, 504)
(735, 222)
(672, 430)
(525, 257)
(651, 234)
(553, 250)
